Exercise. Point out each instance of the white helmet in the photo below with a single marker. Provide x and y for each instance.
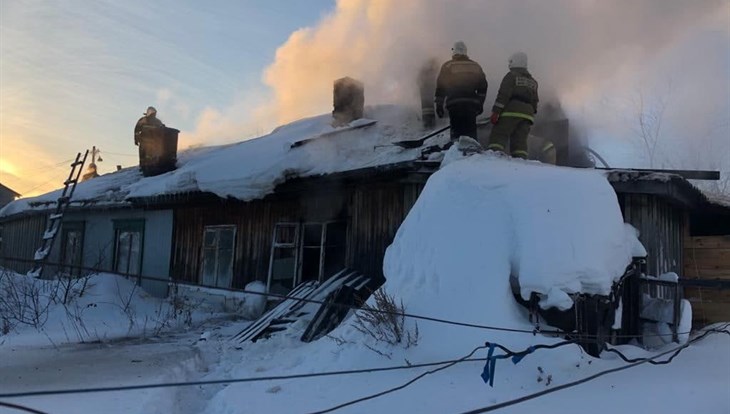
(518, 60)
(459, 48)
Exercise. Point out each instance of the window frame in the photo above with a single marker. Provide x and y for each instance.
(299, 247)
(217, 228)
(66, 228)
(129, 225)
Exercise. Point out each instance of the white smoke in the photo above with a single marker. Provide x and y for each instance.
(574, 46)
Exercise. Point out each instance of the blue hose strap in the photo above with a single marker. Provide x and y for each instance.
(518, 357)
(488, 372)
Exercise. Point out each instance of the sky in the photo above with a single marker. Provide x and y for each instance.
(76, 74)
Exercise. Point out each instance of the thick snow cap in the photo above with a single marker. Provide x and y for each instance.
(459, 48)
(518, 60)
(484, 218)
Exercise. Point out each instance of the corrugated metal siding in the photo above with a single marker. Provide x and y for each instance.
(373, 213)
(661, 230)
(21, 238)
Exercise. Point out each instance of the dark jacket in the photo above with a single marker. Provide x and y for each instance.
(517, 94)
(147, 121)
(460, 81)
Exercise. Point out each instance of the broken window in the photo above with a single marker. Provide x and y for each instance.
(128, 240)
(218, 251)
(305, 251)
(72, 243)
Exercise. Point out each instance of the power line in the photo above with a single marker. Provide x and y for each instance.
(21, 408)
(447, 364)
(594, 376)
(400, 387)
(55, 177)
(119, 153)
(337, 305)
(238, 380)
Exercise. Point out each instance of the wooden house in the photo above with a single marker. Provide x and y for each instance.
(305, 202)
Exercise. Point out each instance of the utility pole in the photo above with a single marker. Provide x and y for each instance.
(95, 156)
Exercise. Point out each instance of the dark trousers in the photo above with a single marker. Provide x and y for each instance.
(463, 121)
(510, 133)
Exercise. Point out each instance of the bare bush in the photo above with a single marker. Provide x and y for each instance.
(385, 322)
(176, 311)
(24, 301)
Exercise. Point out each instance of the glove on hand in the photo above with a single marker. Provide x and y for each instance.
(494, 118)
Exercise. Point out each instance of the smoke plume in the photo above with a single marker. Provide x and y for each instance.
(574, 46)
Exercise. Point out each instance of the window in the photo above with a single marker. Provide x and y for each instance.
(218, 249)
(72, 246)
(305, 251)
(128, 244)
(284, 255)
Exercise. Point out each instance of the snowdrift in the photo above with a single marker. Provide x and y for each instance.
(100, 307)
(484, 218)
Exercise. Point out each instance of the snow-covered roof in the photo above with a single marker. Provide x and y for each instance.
(253, 168)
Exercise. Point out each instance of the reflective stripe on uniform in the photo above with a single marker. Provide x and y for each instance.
(519, 153)
(495, 147)
(465, 66)
(518, 115)
(548, 146)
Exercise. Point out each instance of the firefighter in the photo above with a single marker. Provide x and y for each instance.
(461, 86)
(148, 120)
(514, 109)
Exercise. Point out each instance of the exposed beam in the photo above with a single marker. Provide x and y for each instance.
(686, 174)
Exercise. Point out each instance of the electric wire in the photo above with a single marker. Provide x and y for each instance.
(636, 362)
(400, 387)
(176, 282)
(21, 408)
(39, 393)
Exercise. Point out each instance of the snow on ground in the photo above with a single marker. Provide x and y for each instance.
(478, 220)
(99, 307)
(252, 169)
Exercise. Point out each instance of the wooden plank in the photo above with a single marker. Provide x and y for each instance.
(709, 258)
(691, 272)
(706, 295)
(708, 242)
(708, 313)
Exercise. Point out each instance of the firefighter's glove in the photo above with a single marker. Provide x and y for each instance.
(440, 110)
(494, 118)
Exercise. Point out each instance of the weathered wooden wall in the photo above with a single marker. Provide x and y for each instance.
(707, 257)
(376, 212)
(21, 238)
(661, 230)
(373, 213)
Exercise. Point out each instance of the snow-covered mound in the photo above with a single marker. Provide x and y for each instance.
(251, 169)
(93, 308)
(484, 218)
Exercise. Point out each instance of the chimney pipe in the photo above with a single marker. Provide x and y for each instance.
(427, 88)
(348, 101)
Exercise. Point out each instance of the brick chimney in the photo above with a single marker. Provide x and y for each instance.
(348, 102)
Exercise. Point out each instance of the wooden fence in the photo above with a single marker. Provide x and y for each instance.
(707, 259)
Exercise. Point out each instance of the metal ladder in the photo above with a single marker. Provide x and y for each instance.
(54, 220)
